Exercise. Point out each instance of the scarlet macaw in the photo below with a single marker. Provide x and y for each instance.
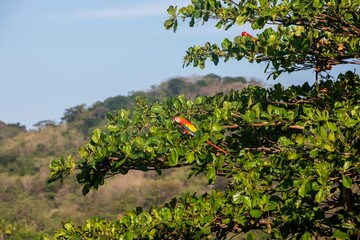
(248, 35)
(190, 129)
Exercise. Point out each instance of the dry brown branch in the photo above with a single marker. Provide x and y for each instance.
(276, 124)
(265, 149)
(291, 103)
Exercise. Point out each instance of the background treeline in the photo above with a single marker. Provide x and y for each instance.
(30, 207)
(85, 119)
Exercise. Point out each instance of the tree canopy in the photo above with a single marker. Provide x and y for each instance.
(294, 163)
(295, 35)
(292, 155)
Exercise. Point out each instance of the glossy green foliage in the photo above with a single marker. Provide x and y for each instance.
(293, 163)
(294, 35)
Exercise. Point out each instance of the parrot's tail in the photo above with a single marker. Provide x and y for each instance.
(217, 147)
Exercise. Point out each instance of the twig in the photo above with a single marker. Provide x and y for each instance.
(276, 124)
(297, 127)
(265, 149)
(231, 126)
(231, 1)
(291, 103)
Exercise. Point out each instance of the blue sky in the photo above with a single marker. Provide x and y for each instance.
(56, 54)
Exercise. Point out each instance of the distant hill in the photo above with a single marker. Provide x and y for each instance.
(87, 118)
(30, 206)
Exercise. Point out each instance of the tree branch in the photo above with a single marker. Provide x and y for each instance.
(232, 2)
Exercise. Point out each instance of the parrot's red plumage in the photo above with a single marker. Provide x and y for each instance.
(248, 35)
(190, 129)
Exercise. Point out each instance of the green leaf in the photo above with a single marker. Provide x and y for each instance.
(306, 236)
(236, 198)
(346, 181)
(96, 136)
(199, 100)
(204, 137)
(341, 235)
(212, 3)
(271, 205)
(240, 199)
(348, 225)
(211, 175)
(323, 132)
(304, 189)
(70, 163)
(206, 230)
(247, 201)
(272, 39)
(264, 3)
(112, 128)
(314, 153)
(347, 165)
(299, 139)
(86, 189)
(255, 213)
(219, 24)
(197, 14)
(320, 195)
(190, 157)
(331, 137)
(68, 226)
(168, 23)
(129, 235)
(293, 155)
(332, 126)
(154, 140)
(241, 220)
(226, 44)
(329, 147)
(215, 58)
(169, 137)
(157, 109)
(351, 123)
(120, 162)
(259, 23)
(126, 149)
(174, 156)
(175, 25)
(215, 127)
(172, 11)
(152, 233)
(317, 4)
(308, 112)
(123, 113)
(285, 141)
(240, 20)
(250, 236)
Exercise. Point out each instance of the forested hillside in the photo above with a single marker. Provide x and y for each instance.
(31, 207)
(85, 119)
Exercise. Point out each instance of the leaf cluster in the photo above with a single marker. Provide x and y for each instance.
(293, 160)
(295, 35)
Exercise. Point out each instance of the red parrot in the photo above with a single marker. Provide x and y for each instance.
(190, 129)
(248, 35)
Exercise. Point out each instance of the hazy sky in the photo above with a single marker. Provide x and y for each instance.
(57, 54)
